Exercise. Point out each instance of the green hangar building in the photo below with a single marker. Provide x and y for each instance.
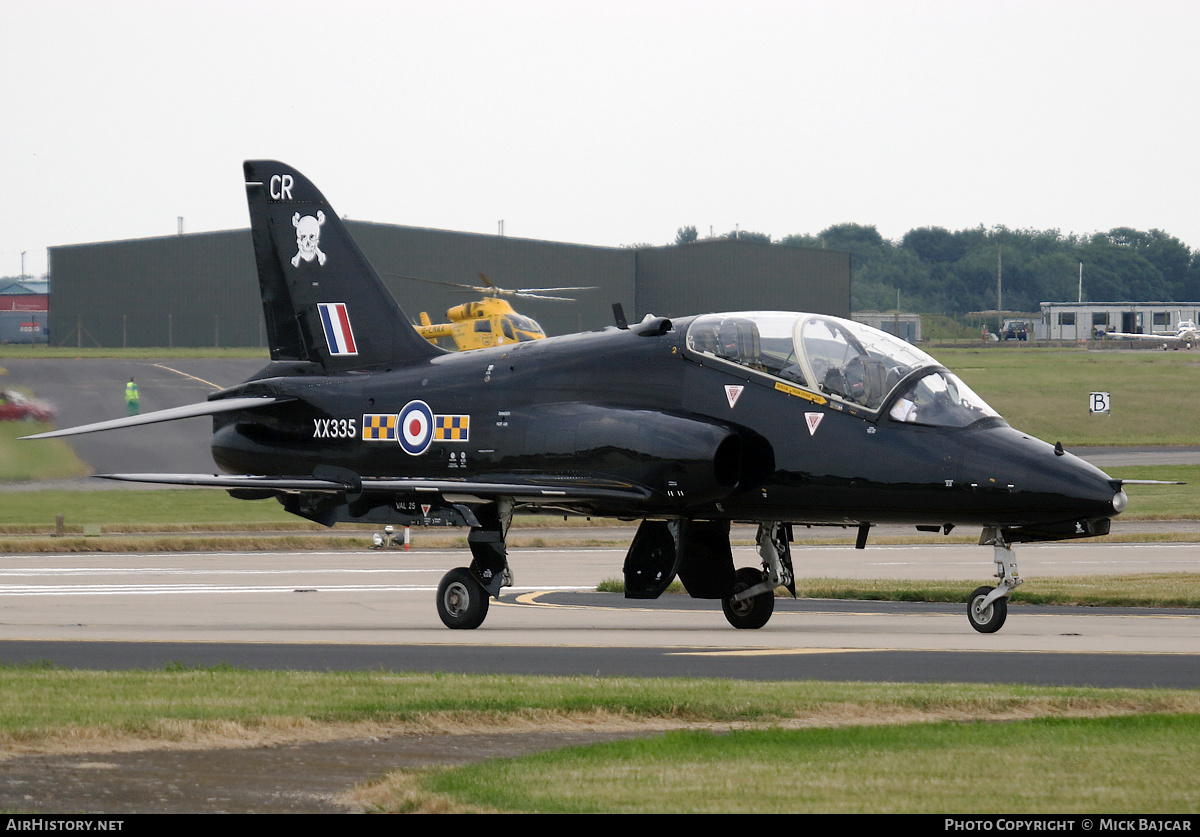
(201, 289)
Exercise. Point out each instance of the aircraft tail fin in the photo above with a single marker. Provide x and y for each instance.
(322, 300)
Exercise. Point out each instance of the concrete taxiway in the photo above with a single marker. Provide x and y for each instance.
(307, 604)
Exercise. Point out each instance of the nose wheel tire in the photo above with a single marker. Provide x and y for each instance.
(989, 619)
(753, 612)
(462, 603)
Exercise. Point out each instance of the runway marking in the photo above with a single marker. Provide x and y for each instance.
(186, 375)
(214, 571)
(415, 553)
(166, 589)
(767, 652)
(531, 600)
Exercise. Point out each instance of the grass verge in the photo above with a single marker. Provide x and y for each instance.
(47, 707)
(169, 509)
(32, 511)
(1129, 590)
(1161, 502)
(1046, 392)
(51, 459)
(879, 758)
(1068, 766)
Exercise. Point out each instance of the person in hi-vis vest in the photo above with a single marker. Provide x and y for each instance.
(131, 398)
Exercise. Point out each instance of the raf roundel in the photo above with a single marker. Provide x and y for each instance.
(416, 427)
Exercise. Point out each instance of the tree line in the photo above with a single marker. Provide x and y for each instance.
(934, 270)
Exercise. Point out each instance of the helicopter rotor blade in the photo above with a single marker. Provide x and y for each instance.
(539, 290)
(542, 296)
(491, 289)
(471, 288)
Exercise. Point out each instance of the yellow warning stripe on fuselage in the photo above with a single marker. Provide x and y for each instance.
(799, 393)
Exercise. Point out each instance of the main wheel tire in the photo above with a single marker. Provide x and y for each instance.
(462, 603)
(753, 612)
(989, 619)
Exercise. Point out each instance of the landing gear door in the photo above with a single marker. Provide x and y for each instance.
(653, 559)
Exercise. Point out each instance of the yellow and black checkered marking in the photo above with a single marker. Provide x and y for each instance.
(451, 428)
(379, 427)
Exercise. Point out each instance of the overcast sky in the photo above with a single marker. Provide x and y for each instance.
(606, 123)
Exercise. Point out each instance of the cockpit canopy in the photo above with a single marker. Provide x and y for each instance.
(843, 360)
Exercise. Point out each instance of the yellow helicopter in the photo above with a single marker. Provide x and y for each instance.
(490, 321)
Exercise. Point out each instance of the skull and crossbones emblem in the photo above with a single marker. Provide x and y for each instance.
(308, 238)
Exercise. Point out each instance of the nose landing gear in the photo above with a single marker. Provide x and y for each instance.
(752, 600)
(987, 607)
(986, 617)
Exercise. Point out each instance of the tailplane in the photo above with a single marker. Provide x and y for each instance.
(322, 300)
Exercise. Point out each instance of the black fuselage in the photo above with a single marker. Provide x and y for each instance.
(636, 408)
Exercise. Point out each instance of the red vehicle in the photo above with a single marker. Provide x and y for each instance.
(15, 406)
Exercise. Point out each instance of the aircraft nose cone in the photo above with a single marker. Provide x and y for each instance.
(1043, 482)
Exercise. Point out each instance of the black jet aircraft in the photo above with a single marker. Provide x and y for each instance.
(688, 425)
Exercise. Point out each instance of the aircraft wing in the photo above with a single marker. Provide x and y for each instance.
(207, 408)
(1158, 337)
(544, 492)
(1126, 335)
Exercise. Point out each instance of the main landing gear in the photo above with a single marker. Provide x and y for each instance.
(463, 595)
(462, 602)
(987, 608)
